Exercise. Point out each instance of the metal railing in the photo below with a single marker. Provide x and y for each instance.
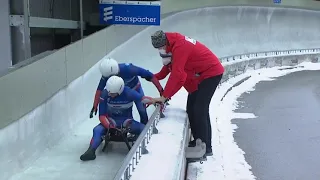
(269, 54)
(139, 148)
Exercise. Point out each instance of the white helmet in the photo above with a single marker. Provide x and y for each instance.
(115, 84)
(109, 67)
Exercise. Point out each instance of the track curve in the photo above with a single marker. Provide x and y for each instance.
(282, 142)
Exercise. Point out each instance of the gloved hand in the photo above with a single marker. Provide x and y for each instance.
(93, 110)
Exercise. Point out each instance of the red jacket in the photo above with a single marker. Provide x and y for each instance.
(165, 70)
(192, 62)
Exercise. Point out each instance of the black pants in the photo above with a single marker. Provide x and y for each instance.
(198, 109)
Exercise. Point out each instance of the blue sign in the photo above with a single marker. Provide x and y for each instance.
(277, 1)
(131, 13)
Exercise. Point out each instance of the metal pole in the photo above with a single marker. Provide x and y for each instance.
(70, 13)
(81, 19)
(26, 30)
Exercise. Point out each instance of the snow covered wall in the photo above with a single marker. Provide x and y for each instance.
(226, 30)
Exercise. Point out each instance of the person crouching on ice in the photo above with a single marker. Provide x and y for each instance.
(115, 109)
(198, 70)
(129, 73)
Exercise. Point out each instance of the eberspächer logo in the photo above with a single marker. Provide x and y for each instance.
(108, 13)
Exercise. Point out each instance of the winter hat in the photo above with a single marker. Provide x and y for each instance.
(158, 39)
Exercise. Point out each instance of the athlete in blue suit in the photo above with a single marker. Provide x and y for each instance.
(115, 110)
(129, 73)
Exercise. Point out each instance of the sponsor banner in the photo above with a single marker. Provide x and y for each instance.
(130, 12)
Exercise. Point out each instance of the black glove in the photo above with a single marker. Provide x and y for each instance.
(93, 110)
(148, 79)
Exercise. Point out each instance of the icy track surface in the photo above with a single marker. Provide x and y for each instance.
(63, 160)
(228, 162)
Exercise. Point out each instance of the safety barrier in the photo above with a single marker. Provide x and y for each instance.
(234, 65)
(139, 148)
(238, 64)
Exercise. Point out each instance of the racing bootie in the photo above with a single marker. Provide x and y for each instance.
(90, 154)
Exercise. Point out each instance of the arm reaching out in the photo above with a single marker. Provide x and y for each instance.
(163, 73)
(157, 84)
(146, 75)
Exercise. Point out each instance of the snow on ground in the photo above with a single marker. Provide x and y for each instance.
(164, 147)
(228, 161)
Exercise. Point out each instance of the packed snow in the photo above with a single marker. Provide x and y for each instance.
(165, 147)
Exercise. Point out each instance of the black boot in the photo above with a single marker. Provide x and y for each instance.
(192, 143)
(209, 152)
(90, 154)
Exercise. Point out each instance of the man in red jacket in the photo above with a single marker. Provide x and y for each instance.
(198, 70)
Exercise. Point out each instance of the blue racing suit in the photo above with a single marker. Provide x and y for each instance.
(115, 112)
(129, 73)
